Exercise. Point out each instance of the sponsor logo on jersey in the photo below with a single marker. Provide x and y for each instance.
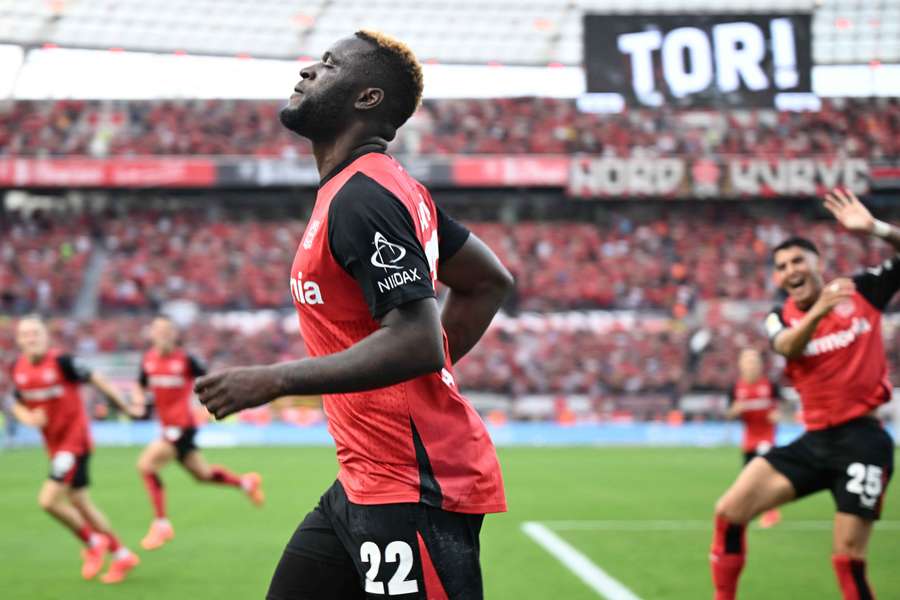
(305, 292)
(21, 379)
(386, 254)
(839, 339)
(42, 394)
(49, 375)
(395, 280)
(166, 381)
(845, 309)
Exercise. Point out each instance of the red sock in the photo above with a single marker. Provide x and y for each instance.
(84, 534)
(114, 543)
(726, 557)
(223, 476)
(851, 576)
(157, 494)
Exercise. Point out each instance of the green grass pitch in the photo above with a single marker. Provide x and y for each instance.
(226, 549)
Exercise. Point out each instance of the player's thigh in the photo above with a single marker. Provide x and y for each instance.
(758, 488)
(195, 464)
(315, 565)
(851, 535)
(155, 456)
(52, 493)
(862, 464)
(408, 551)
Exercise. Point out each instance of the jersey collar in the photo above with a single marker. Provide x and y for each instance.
(359, 152)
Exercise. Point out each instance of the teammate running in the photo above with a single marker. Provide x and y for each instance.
(48, 396)
(417, 469)
(831, 336)
(754, 400)
(168, 372)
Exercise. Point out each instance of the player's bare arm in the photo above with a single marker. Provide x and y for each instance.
(109, 390)
(735, 410)
(791, 342)
(478, 285)
(30, 418)
(408, 344)
(854, 216)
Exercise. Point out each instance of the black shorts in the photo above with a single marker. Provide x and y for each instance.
(761, 450)
(854, 460)
(71, 469)
(182, 438)
(344, 551)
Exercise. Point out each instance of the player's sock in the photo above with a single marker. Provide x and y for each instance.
(851, 574)
(114, 544)
(223, 476)
(726, 558)
(157, 494)
(84, 534)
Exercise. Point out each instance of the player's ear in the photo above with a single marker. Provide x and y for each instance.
(369, 98)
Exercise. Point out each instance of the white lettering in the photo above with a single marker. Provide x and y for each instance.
(640, 47)
(740, 48)
(166, 381)
(397, 279)
(305, 292)
(839, 339)
(681, 81)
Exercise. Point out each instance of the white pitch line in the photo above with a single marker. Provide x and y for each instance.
(595, 577)
(688, 525)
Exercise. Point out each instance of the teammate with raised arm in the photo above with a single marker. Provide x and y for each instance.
(830, 334)
(168, 372)
(417, 469)
(48, 396)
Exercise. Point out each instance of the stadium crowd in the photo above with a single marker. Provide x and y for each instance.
(859, 128)
(665, 262)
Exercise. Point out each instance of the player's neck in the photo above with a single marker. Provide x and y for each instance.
(331, 154)
(36, 358)
(751, 381)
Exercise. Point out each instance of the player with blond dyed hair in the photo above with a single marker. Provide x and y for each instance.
(417, 469)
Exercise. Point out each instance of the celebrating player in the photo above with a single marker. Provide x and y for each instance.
(417, 470)
(754, 400)
(168, 372)
(831, 336)
(48, 396)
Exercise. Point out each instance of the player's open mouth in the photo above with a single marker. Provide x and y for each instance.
(796, 284)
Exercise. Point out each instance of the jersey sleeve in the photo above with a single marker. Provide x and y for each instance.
(774, 324)
(196, 367)
(73, 369)
(879, 284)
(373, 237)
(451, 235)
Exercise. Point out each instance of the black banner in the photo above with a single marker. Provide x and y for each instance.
(698, 60)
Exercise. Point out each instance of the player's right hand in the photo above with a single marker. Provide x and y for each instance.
(834, 292)
(38, 418)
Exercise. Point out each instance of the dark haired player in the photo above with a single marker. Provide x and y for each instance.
(168, 373)
(417, 470)
(755, 401)
(830, 334)
(48, 396)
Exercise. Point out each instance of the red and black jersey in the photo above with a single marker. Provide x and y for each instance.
(170, 378)
(759, 399)
(842, 373)
(375, 241)
(53, 385)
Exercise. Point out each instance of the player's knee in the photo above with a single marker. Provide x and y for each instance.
(46, 501)
(850, 546)
(728, 509)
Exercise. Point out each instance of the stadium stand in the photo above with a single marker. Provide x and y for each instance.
(847, 128)
(508, 31)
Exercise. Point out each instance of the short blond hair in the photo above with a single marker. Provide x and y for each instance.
(398, 70)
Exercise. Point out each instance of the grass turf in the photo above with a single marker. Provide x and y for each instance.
(226, 549)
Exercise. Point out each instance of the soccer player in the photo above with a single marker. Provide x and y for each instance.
(168, 372)
(48, 396)
(754, 400)
(830, 334)
(417, 469)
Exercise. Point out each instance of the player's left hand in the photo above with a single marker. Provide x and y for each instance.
(849, 211)
(234, 390)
